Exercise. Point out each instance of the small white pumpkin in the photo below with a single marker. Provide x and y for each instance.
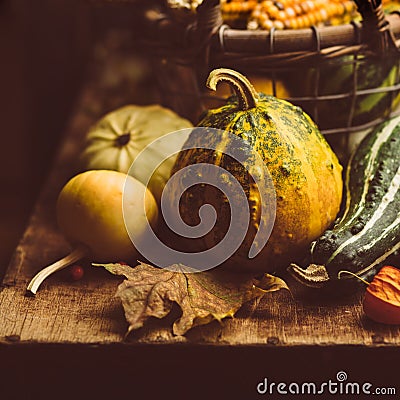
(114, 142)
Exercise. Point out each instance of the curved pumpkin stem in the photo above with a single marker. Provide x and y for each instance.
(244, 90)
(75, 255)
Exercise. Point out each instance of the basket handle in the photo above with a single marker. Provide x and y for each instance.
(376, 32)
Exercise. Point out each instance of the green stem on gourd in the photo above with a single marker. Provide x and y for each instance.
(77, 254)
(244, 90)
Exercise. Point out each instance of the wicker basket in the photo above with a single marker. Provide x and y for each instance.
(347, 78)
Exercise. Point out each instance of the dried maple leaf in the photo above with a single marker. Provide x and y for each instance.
(202, 296)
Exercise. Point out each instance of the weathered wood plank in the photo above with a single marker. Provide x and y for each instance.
(87, 311)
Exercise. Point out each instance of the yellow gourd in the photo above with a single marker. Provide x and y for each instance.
(91, 215)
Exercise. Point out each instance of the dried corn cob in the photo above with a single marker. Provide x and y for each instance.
(289, 14)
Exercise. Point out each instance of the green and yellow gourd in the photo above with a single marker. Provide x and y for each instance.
(305, 172)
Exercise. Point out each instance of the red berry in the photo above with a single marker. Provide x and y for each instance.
(77, 272)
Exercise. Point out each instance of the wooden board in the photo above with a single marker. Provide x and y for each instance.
(65, 315)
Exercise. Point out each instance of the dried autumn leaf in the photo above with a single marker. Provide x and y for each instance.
(202, 296)
(382, 298)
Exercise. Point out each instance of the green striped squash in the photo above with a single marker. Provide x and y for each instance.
(368, 231)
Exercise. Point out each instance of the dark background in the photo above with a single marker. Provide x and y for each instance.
(45, 49)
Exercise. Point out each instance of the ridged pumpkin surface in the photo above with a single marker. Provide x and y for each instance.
(305, 172)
